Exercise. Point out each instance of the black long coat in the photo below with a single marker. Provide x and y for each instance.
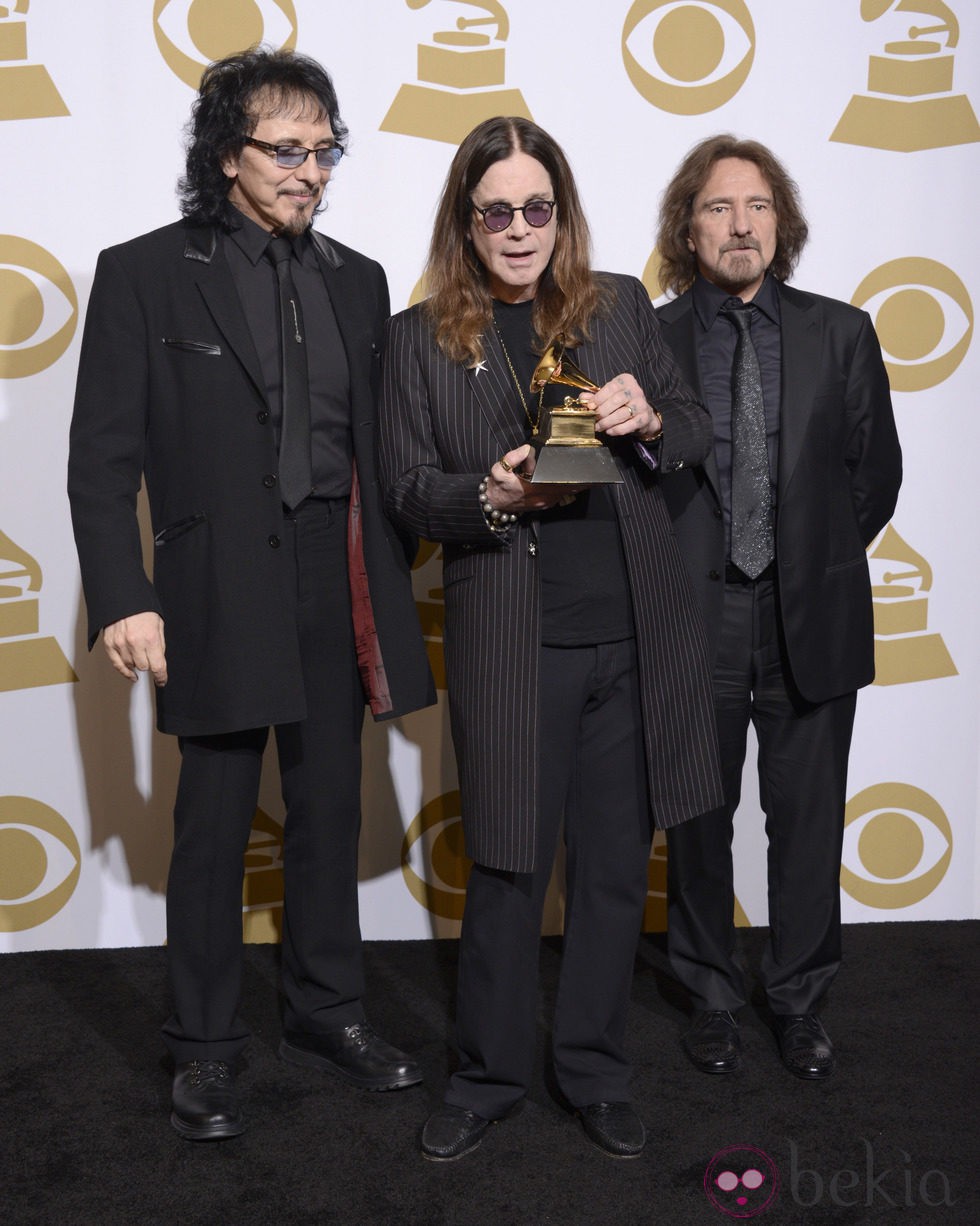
(169, 387)
(441, 428)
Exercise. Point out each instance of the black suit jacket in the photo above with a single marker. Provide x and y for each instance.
(169, 387)
(442, 427)
(839, 472)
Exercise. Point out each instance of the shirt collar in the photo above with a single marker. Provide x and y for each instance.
(709, 299)
(253, 240)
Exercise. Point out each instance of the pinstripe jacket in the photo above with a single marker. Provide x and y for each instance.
(441, 428)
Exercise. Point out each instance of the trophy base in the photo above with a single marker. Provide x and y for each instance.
(568, 464)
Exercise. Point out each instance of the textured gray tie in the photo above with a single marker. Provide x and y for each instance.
(752, 539)
(295, 462)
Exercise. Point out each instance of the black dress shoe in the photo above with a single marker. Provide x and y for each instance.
(355, 1053)
(205, 1101)
(615, 1128)
(803, 1045)
(713, 1042)
(450, 1132)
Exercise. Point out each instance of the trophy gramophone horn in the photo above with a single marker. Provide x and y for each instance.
(568, 452)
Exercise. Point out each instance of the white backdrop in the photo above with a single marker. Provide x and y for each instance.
(873, 108)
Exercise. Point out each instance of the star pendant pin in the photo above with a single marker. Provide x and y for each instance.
(480, 367)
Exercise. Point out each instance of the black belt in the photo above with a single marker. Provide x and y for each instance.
(734, 575)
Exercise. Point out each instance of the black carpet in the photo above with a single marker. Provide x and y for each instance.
(84, 1102)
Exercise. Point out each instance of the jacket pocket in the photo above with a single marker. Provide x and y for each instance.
(205, 347)
(178, 528)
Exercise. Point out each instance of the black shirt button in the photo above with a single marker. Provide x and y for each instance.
(274, 541)
(269, 480)
(713, 575)
(262, 416)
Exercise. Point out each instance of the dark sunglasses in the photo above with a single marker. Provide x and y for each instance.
(291, 156)
(497, 217)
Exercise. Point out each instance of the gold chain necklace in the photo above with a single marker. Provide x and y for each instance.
(531, 421)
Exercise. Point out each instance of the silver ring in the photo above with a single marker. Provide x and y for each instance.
(630, 409)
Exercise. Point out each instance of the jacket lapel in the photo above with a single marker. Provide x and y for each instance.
(799, 327)
(215, 283)
(495, 392)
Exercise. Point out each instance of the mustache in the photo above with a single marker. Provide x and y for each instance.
(740, 244)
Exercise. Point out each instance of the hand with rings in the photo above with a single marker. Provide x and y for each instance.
(621, 408)
(511, 491)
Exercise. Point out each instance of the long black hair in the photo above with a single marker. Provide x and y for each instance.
(235, 93)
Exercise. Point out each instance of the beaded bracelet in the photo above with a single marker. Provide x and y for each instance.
(497, 521)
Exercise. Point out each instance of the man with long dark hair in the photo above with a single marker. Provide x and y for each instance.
(575, 659)
(233, 359)
(804, 472)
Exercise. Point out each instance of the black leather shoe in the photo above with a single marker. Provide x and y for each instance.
(355, 1053)
(713, 1042)
(803, 1045)
(451, 1132)
(205, 1101)
(615, 1128)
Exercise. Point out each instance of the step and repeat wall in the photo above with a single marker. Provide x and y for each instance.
(873, 106)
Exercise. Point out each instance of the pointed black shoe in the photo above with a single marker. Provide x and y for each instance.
(205, 1101)
(804, 1046)
(713, 1042)
(615, 1128)
(451, 1133)
(355, 1053)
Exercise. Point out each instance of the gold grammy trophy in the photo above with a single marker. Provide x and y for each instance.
(568, 452)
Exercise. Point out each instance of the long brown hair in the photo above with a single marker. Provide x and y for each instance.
(459, 302)
(678, 263)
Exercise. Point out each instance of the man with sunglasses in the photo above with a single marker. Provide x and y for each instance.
(232, 359)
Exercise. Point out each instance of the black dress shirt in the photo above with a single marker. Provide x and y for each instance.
(255, 279)
(584, 590)
(716, 351)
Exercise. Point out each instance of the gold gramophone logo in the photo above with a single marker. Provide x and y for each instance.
(431, 607)
(27, 659)
(26, 90)
(898, 844)
(703, 52)
(910, 104)
(38, 308)
(905, 650)
(263, 887)
(463, 79)
(434, 863)
(923, 315)
(192, 33)
(40, 863)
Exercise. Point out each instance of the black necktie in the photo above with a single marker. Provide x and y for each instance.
(295, 464)
(752, 538)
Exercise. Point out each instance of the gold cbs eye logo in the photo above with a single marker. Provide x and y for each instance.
(434, 864)
(40, 863)
(901, 841)
(703, 50)
(924, 319)
(192, 33)
(38, 308)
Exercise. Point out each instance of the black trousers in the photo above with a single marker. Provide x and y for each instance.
(803, 751)
(319, 761)
(593, 774)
